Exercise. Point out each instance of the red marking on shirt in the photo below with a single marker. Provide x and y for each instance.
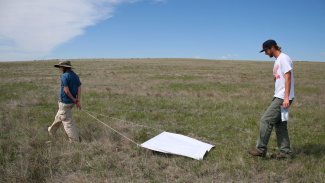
(275, 72)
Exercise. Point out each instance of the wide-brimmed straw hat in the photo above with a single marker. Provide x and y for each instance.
(64, 63)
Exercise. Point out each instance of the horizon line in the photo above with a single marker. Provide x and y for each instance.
(146, 58)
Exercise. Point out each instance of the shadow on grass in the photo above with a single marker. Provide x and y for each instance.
(316, 150)
(164, 155)
(167, 155)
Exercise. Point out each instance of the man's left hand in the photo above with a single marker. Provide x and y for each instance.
(286, 103)
(78, 104)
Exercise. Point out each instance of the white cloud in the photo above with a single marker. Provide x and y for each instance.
(31, 29)
(160, 1)
(228, 57)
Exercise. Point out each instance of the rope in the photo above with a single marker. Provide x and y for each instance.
(124, 121)
(112, 128)
(134, 124)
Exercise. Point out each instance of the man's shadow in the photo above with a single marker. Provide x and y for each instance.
(311, 149)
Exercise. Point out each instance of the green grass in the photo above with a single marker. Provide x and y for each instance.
(219, 102)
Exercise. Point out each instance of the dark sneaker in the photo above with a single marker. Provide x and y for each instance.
(282, 155)
(256, 152)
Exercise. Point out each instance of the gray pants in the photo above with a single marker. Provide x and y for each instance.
(272, 118)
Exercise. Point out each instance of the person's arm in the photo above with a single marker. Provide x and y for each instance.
(287, 83)
(78, 98)
(67, 92)
(75, 100)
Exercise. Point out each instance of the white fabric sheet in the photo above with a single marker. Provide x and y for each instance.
(172, 143)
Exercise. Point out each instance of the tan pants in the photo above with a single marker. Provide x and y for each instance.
(64, 116)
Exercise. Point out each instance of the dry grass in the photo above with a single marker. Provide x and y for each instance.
(219, 102)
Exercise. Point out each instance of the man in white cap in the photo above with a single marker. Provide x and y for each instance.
(70, 94)
(275, 115)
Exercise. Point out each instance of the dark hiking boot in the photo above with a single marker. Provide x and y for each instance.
(256, 152)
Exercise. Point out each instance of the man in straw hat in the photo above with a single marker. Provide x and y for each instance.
(70, 93)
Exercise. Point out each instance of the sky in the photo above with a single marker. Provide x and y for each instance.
(207, 29)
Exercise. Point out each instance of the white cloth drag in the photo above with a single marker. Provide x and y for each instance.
(172, 143)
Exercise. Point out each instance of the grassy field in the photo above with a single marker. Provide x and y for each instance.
(219, 102)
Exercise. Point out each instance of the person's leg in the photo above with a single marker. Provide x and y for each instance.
(57, 122)
(268, 120)
(282, 137)
(69, 124)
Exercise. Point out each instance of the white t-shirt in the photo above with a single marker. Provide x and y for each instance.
(282, 65)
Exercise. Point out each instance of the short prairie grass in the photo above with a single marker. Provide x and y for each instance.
(219, 102)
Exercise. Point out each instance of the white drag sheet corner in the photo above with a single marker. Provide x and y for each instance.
(177, 144)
